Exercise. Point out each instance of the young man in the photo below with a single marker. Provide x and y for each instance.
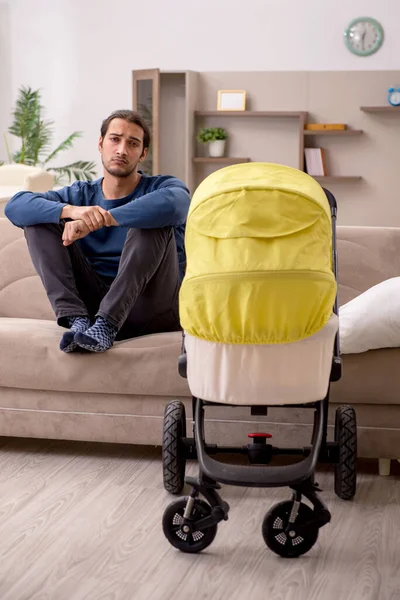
(110, 253)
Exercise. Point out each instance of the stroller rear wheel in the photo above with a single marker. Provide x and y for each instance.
(346, 436)
(186, 537)
(284, 539)
(174, 461)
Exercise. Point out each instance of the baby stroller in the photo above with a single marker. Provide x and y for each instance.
(258, 308)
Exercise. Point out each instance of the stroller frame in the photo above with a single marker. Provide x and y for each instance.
(289, 528)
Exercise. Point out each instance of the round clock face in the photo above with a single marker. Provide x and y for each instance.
(363, 36)
(394, 97)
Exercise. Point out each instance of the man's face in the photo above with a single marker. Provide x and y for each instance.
(121, 148)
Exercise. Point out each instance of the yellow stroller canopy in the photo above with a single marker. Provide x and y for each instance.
(259, 257)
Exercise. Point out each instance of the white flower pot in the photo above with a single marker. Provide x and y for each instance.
(216, 149)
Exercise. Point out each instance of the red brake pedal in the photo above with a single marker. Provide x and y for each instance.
(259, 435)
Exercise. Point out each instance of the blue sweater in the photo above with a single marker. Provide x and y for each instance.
(160, 201)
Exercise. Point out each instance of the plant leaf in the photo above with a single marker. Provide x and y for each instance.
(65, 145)
(39, 140)
(81, 170)
(7, 149)
(25, 117)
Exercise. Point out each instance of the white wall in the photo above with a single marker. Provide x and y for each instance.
(81, 53)
(5, 73)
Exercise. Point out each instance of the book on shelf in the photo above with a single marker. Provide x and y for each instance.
(325, 126)
(315, 163)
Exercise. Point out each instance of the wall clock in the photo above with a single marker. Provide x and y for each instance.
(363, 36)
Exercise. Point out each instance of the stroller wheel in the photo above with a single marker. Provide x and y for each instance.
(290, 544)
(174, 463)
(191, 541)
(346, 436)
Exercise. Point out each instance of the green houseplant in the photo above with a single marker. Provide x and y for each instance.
(215, 138)
(35, 135)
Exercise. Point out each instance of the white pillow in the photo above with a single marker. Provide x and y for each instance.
(372, 320)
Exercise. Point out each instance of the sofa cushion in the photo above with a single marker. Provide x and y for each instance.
(366, 256)
(372, 319)
(372, 377)
(22, 294)
(31, 359)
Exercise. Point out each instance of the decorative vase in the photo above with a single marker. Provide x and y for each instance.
(216, 149)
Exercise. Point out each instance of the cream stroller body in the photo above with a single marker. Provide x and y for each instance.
(259, 312)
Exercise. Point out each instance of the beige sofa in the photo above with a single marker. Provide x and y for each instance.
(120, 396)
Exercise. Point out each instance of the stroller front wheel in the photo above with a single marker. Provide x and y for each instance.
(288, 541)
(187, 538)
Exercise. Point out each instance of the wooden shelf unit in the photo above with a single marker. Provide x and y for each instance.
(174, 151)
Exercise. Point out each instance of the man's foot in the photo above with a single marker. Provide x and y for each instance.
(76, 324)
(99, 337)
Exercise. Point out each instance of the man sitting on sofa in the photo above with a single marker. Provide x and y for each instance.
(122, 277)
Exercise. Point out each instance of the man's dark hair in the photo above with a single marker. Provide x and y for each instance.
(132, 117)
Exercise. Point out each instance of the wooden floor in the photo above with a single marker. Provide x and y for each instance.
(83, 522)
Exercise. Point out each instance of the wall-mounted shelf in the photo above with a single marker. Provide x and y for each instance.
(337, 178)
(249, 113)
(381, 109)
(333, 132)
(228, 160)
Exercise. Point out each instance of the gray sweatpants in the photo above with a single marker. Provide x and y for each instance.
(142, 299)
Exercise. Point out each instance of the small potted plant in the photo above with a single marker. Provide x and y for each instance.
(216, 138)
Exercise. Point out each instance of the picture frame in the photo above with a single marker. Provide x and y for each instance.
(231, 100)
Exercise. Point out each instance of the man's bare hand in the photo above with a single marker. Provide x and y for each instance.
(94, 217)
(74, 230)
